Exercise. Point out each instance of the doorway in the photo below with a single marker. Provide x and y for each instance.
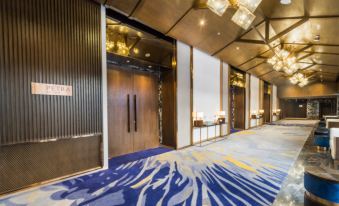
(133, 121)
(267, 102)
(237, 100)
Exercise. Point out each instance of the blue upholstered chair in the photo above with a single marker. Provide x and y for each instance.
(322, 141)
(322, 131)
(320, 189)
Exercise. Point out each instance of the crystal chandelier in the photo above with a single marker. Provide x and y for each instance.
(284, 61)
(299, 79)
(245, 8)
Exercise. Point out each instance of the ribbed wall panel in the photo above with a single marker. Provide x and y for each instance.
(55, 42)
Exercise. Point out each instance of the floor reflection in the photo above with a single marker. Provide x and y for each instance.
(292, 190)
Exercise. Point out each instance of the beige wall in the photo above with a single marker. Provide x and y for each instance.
(312, 90)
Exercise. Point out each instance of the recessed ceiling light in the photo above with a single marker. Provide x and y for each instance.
(202, 22)
(285, 2)
(218, 33)
(147, 55)
(237, 48)
(149, 66)
(136, 51)
(127, 61)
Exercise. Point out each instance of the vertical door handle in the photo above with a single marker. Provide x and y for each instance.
(128, 115)
(135, 113)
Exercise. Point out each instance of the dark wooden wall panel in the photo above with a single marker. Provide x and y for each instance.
(294, 108)
(56, 42)
(25, 164)
(169, 137)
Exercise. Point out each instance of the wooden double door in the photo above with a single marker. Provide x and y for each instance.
(132, 111)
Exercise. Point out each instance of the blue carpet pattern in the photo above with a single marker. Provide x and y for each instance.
(248, 168)
(234, 130)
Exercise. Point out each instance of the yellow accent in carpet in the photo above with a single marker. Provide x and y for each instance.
(240, 164)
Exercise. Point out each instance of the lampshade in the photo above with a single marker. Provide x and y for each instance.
(251, 5)
(218, 6)
(243, 17)
(200, 115)
(261, 111)
(221, 113)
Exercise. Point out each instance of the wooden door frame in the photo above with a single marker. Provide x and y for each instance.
(229, 100)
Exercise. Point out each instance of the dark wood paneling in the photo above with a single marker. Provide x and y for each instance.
(239, 116)
(119, 111)
(267, 108)
(56, 42)
(145, 106)
(27, 164)
(134, 124)
(169, 109)
(293, 108)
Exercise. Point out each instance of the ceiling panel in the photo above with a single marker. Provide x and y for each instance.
(270, 77)
(238, 53)
(166, 17)
(296, 8)
(123, 6)
(250, 64)
(323, 7)
(261, 69)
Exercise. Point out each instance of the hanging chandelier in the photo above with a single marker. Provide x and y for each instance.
(299, 79)
(243, 17)
(118, 46)
(283, 60)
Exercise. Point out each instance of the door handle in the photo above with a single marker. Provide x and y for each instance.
(128, 115)
(135, 113)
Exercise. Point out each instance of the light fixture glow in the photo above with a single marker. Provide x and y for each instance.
(285, 2)
(136, 51)
(243, 17)
(218, 6)
(299, 79)
(251, 5)
(202, 22)
(284, 60)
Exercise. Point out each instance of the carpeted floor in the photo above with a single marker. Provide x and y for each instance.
(247, 168)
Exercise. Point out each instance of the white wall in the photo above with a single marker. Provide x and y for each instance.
(225, 90)
(254, 105)
(247, 115)
(206, 91)
(183, 95)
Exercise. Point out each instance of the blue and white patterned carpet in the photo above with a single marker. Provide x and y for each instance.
(247, 168)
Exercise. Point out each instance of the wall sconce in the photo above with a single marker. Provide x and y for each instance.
(221, 117)
(198, 119)
(261, 111)
(254, 114)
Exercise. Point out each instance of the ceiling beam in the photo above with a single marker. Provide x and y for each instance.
(330, 65)
(135, 8)
(300, 17)
(250, 41)
(255, 66)
(238, 38)
(289, 29)
(329, 45)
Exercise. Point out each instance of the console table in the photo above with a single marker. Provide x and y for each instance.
(208, 126)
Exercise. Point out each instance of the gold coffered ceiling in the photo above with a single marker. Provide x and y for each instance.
(293, 26)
